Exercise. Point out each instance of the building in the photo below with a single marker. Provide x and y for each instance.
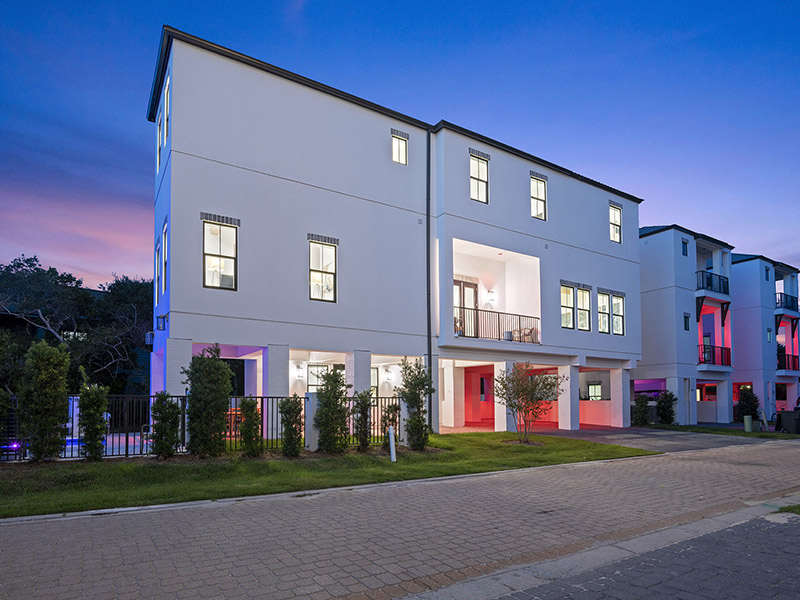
(687, 340)
(305, 229)
(765, 316)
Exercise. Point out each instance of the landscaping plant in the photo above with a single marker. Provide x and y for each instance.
(748, 404)
(641, 411)
(250, 428)
(93, 405)
(527, 394)
(332, 412)
(166, 425)
(390, 417)
(44, 401)
(665, 407)
(362, 404)
(414, 389)
(209, 381)
(291, 410)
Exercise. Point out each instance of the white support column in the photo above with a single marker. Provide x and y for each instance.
(620, 397)
(157, 372)
(357, 366)
(458, 397)
(724, 401)
(434, 408)
(446, 393)
(250, 377)
(177, 356)
(503, 421)
(691, 390)
(682, 408)
(274, 382)
(569, 406)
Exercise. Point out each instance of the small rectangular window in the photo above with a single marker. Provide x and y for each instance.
(769, 336)
(538, 198)
(615, 223)
(567, 307)
(618, 307)
(322, 272)
(164, 254)
(399, 150)
(604, 313)
(684, 247)
(584, 310)
(595, 392)
(479, 179)
(219, 255)
(687, 323)
(766, 273)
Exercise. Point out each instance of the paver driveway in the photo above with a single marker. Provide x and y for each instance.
(382, 541)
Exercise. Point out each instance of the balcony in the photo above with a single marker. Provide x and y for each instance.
(786, 301)
(706, 280)
(713, 355)
(491, 325)
(788, 362)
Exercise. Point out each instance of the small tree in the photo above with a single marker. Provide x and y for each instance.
(641, 410)
(527, 394)
(209, 381)
(414, 388)
(332, 411)
(362, 404)
(44, 400)
(92, 417)
(291, 410)
(390, 417)
(166, 425)
(665, 407)
(748, 404)
(250, 429)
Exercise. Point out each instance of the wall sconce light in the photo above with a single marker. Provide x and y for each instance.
(299, 371)
(387, 374)
(161, 322)
(491, 296)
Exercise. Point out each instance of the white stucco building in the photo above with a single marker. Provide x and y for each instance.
(765, 316)
(687, 340)
(303, 229)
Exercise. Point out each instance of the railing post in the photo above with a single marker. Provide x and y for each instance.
(125, 425)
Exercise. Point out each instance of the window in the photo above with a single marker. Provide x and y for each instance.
(584, 308)
(538, 198)
(618, 306)
(686, 321)
(164, 259)
(769, 336)
(373, 381)
(166, 111)
(684, 248)
(322, 272)
(399, 150)
(595, 392)
(479, 179)
(615, 220)
(219, 255)
(158, 271)
(315, 373)
(567, 307)
(604, 313)
(158, 144)
(766, 273)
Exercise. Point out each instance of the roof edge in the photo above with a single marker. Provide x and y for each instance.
(696, 235)
(748, 257)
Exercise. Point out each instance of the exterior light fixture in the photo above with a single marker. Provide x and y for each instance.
(161, 322)
(299, 371)
(491, 296)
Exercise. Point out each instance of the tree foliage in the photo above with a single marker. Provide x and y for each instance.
(665, 407)
(332, 412)
(166, 425)
(291, 410)
(250, 428)
(748, 404)
(209, 381)
(93, 406)
(12, 359)
(527, 394)
(362, 406)
(415, 386)
(641, 410)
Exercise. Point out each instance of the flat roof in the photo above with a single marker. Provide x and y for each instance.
(653, 229)
(168, 34)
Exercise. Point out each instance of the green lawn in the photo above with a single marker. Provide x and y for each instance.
(795, 508)
(727, 431)
(27, 489)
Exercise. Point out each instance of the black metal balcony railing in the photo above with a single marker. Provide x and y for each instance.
(706, 280)
(788, 362)
(786, 301)
(713, 355)
(492, 325)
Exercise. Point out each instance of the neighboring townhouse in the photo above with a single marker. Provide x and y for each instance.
(765, 315)
(687, 340)
(305, 229)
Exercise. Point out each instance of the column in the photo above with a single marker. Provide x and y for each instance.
(251, 377)
(620, 397)
(177, 356)
(569, 398)
(434, 407)
(446, 393)
(690, 384)
(274, 382)
(458, 397)
(676, 386)
(157, 372)
(357, 366)
(503, 419)
(724, 401)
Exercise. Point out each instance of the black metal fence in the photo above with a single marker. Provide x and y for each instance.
(788, 362)
(271, 429)
(379, 407)
(493, 325)
(713, 355)
(706, 280)
(785, 301)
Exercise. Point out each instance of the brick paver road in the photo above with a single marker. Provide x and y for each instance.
(382, 541)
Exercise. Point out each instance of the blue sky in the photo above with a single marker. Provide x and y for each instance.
(693, 106)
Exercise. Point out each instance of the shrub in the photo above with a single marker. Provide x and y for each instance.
(527, 395)
(665, 407)
(44, 400)
(390, 417)
(209, 381)
(641, 411)
(362, 404)
(291, 410)
(331, 417)
(414, 388)
(166, 425)
(250, 429)
(748, 404)
(93, 406)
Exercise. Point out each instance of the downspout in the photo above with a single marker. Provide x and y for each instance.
(428, 267)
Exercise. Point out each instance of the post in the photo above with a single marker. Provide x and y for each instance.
(125, 420)
(401, 428)
(311, 432)
(392, 454)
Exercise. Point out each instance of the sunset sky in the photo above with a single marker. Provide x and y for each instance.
(693, 106)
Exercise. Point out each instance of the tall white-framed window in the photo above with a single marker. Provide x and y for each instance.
(584, 309)
(479, 179)
(399, 149)
(164, 256)
(315, 373)
(158, 143)
(538, 198)
(615, 223)
(158, 272)
(618, 316)
(322, 271)
(220, 255)
(374, 380)
(166, 111)
(567, 307)
(604, 313)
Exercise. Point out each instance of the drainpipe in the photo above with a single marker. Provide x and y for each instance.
(428, 266)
